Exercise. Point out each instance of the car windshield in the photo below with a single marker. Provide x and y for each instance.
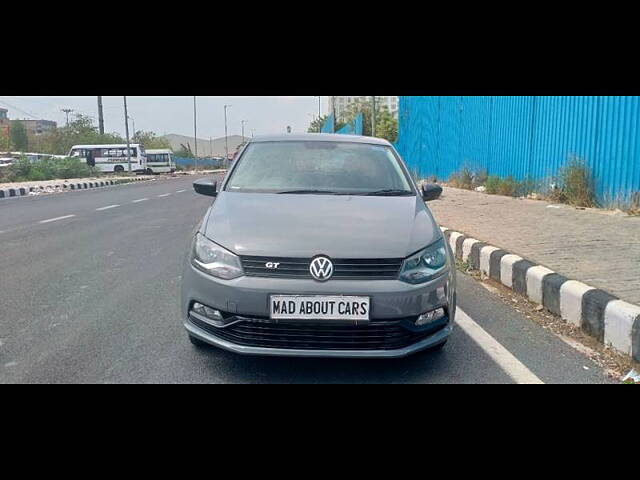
(318, 167)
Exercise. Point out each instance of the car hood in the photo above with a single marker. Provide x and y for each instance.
(307, 225)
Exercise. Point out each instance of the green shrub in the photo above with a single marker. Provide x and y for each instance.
(462, 179)
(493, 184)
(527, 187)
(508, 187)
(49, 169)
(577, 184)
(480, 178)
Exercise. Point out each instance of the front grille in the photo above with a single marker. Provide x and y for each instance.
(343, 269)
(374, 336)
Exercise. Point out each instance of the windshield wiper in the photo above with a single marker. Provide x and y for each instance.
(308, 192)
(390, 192)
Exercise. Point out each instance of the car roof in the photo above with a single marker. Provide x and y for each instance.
(319, 137)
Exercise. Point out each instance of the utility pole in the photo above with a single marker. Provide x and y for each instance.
(126, 129)
(319, 107)
(210, 148)
(373, 117)
(133, 120)
(195, 134)
(226, 139)
(67, 111)
(100, 116)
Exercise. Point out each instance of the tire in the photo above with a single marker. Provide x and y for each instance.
(196, 342)
(149, 171)
(118, 169)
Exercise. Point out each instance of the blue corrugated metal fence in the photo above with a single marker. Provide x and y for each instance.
(527, 137)
(354, 128)
(202, 162)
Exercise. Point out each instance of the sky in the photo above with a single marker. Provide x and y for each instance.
(164, 115)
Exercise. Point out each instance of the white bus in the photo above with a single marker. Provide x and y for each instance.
(112, 158)
(160, 161)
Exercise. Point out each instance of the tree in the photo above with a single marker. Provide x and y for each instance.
(387, 126)
(150, 140)
(80, 131)
(184, 151)
(317, 124)
(386, 123)
(4, 138)
(18, 136)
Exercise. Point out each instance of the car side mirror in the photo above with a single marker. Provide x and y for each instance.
(206, 187)
(431, 192)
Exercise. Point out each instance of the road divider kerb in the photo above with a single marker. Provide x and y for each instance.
(609, 319)
(66, 186)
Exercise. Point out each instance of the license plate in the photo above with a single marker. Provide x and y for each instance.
(290, 307)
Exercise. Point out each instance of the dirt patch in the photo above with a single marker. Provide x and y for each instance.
(616, 365)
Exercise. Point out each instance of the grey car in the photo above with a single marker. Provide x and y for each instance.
(319, 245)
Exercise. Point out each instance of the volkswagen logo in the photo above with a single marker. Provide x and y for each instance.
(321, 269)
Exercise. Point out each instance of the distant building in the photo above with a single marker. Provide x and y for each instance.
(341, 104)
(38, 127)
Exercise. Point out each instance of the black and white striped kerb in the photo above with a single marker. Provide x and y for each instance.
(610, 320)
(63, 187)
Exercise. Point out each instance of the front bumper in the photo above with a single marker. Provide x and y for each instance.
(249, 297)
(431, 341)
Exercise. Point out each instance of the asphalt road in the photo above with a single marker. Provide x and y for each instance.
(89, 293)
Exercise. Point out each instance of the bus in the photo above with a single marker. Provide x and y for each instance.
(160, 161)
(112, 158)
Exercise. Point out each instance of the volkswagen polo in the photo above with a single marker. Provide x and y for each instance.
(319, 245)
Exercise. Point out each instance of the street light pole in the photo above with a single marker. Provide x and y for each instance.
(126, 129)
(67, 111)
(319, 107)
(195, 134)
(133, 120)
(243, 122)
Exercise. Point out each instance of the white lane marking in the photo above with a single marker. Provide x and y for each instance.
(164, 195)
(140, 200)
(106, 208)
(56, 219)
(505, 360)
(180, 191)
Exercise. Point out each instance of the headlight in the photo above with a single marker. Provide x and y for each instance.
(425, 265)
(215, 260)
